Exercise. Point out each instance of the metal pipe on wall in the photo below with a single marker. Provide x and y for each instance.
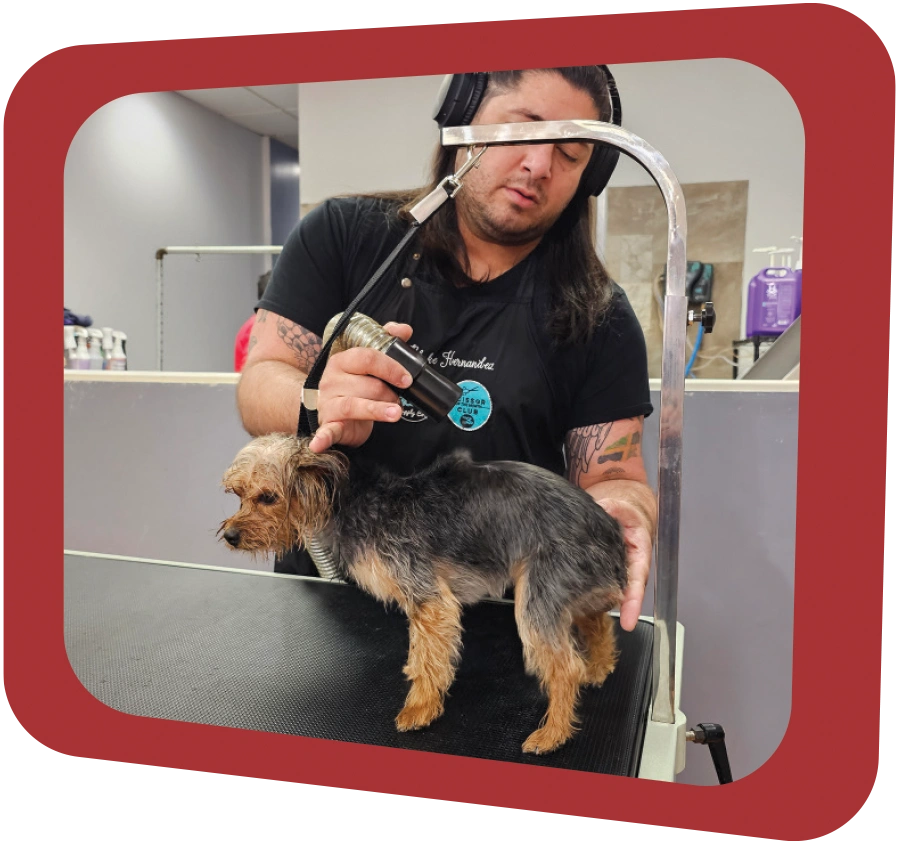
(198, 251)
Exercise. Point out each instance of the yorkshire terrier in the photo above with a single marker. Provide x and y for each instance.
(447, 536)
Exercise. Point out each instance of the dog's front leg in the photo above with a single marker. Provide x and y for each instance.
(435, 635)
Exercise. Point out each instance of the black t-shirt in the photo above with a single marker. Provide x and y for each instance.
(521, 395)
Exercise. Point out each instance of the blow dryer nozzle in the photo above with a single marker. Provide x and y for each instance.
(430, 392)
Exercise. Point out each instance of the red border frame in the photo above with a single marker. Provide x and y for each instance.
(820, 72)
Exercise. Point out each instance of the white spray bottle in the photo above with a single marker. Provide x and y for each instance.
(81, 360)
(107, 346)
(95, 339)
(117, 359)
(68, 347)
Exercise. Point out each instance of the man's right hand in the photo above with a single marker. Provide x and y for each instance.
(354, 393)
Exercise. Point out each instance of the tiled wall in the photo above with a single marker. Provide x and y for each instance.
(635, 257)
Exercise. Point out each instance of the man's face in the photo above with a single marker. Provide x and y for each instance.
(518, 192)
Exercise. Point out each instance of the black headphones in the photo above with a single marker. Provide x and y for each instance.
(461, 94)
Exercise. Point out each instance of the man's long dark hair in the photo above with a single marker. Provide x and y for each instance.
(580, 289)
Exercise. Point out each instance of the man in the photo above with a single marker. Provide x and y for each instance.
(506, 297)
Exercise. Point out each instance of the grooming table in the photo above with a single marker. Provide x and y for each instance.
(308, 657)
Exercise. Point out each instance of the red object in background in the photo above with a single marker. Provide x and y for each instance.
(242, 343)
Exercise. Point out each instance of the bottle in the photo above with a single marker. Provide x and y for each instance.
(107, 346)
(81, 358)
(798, 269)
(68, 347)
(117, 358)
(95, 339)
(773, 295)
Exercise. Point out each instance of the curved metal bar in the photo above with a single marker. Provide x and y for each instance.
(671, 411)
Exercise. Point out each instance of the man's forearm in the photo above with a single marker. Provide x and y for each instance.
(268, 397)
(636, 493)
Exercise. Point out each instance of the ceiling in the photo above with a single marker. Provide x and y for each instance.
(266, 109)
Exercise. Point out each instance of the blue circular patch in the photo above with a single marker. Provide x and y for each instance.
(473, 409)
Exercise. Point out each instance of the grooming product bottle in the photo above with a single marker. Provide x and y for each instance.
(95, 340)
(117, 359)
(81, 359)
(798, 269)
(68, 346)
(773, 295)
(107, 346)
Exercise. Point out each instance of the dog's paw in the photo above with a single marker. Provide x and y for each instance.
(598, 672)
(413, 717)
(544, 740)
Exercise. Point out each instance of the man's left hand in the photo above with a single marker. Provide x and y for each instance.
(639, 547)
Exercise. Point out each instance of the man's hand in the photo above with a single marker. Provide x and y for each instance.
(354, 393)
(639, 547)
(605, 460)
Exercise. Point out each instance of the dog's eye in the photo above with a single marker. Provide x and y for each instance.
(267, 498)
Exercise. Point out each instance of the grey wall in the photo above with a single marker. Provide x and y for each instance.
(154, 170)
(143, 463)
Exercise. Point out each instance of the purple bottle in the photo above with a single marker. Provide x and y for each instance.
(773, 298)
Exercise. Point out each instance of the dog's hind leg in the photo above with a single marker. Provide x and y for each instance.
(435, 636)
(600, 644)
(552, 656)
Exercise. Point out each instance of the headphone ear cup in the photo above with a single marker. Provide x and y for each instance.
(599, 170)
(459, 98)
(479, 84)
(604, 159)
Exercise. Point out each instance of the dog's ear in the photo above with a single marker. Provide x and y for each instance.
(305, 470)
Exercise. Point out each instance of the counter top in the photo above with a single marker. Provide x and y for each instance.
(154, 376)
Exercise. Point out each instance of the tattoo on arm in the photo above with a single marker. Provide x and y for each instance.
(587, 447)
(305, 345)
(583, 444)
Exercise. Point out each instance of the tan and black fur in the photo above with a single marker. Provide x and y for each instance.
(448, 536)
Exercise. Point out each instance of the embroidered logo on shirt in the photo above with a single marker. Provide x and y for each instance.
(411, 413)
(473, 409)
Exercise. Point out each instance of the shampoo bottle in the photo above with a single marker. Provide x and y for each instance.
(117, 359)
(773, 295)
(95, 339)
(107, 346)
(81, 359)
(798, 269)
(68, 346)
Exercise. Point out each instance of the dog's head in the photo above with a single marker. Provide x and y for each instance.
(286, 493)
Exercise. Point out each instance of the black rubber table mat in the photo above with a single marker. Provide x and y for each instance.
(311, 658)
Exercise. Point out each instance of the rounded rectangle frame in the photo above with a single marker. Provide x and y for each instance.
(839, 212)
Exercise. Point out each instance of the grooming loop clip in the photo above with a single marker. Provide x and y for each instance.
(447, 188)
(472, 160)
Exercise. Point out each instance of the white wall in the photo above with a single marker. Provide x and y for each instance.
(155, 170)
(365, 135)
(713, 120)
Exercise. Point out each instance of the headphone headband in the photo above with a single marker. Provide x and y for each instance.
(461, 94)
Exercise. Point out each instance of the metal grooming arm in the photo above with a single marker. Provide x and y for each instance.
(198, 251)
(672, 388)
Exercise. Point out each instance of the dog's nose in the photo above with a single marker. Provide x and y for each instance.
(232, 536)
